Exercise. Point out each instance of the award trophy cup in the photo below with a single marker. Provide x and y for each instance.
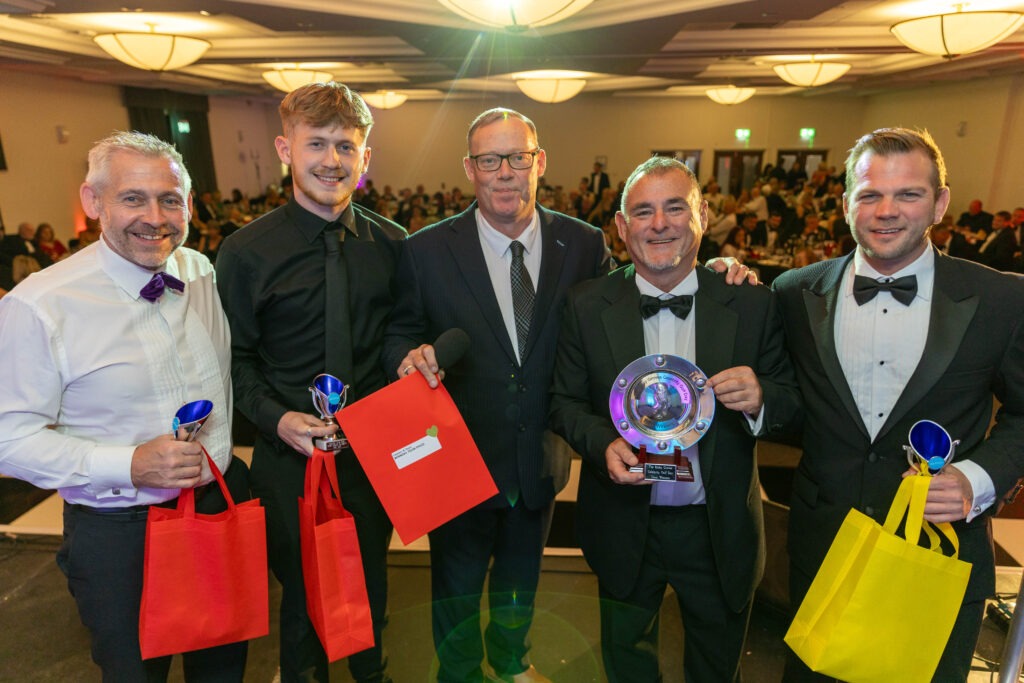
(329, 396)
(662, 405)
(191, 417)
(931, 444)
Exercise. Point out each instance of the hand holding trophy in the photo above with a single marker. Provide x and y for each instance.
(329, 396)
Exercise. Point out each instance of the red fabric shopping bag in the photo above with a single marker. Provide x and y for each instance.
(204, 576)
(332, 566)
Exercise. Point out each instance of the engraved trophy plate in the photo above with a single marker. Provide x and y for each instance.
(329, 396)
(661, 404)
(191, 417)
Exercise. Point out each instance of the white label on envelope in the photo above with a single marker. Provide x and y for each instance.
(415, 451)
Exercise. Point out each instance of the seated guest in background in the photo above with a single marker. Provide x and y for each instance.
(49, 244)
(735, 244)
(796, 177)
(111, 341)
(757, 204)
(23, 243)
(722, 225)
(89, 235)
(1000, 247)
(209, 243)
(813, 232)
(22, 266)
(703, 538)
(976, 219)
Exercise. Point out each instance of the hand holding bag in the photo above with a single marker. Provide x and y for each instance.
(881, 607)
(204, 576)
(332, 565)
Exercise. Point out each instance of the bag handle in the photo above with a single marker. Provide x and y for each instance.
(910, 499)
(321, 478)
(187, 497)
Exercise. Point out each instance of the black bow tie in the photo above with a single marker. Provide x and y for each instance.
(679, 305)
(903, 289)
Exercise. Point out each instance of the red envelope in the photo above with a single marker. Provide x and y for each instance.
(418, 454)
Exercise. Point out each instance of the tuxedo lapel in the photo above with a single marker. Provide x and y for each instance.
(553, 251)
(953, 306)
(623, 326)
(820, 304)
(715, 335)
(467, 252)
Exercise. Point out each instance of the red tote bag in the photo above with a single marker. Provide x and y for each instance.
(204, 576)
(332, 566)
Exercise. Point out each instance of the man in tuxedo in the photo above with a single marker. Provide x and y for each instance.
(476, 271)
(893, 334)
(22, 244)
(704, 538)
(1000, 247)
(598, 180)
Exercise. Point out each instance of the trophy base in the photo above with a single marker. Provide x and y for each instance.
(675, 467)
(330, 443)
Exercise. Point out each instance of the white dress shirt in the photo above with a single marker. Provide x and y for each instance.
(90, 370)
(498, 256)
(880, 344)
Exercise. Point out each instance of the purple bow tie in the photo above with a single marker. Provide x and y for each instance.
(155, 287)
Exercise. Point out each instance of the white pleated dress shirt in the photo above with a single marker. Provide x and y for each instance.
(90, 370)
(880, 344)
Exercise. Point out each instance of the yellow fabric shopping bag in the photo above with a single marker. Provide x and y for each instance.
(881, 607)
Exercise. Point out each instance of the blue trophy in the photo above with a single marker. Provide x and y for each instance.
(329, 396)
(931, 444)
(191, 416)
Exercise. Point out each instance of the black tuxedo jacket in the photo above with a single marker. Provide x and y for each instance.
(999, 254)
(602, 332)
(974, 351)
(14, 245)
(443, 283)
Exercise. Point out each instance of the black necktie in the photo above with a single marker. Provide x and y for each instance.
(903, 289)
(154, 289)
(522, 296)
(679, 305)
(337, 327)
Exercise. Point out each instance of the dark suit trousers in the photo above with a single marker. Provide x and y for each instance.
(102, 557)
(278, 479)
(954, 666)
(460, 552)
(677, 553)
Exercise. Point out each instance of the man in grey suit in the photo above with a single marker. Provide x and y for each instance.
(499, 271)
(705, 538)
(893, 334)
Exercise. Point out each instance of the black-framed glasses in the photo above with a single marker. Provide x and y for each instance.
(518, 161)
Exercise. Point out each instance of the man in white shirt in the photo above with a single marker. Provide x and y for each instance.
(893, 334)
(110, 343)
(704, 538)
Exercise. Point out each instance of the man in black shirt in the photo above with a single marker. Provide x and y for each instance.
(272, 278)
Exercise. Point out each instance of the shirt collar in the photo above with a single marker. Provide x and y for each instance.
(923, 267)
(127, 275)
(499, 242)
(687, 286)
(310, 225)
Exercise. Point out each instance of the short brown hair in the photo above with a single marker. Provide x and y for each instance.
(658, 165)
(321, 105)
(497, 114)
(889, 141)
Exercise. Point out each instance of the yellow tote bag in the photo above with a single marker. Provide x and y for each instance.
(881, 607)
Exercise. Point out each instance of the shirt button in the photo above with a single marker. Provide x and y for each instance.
(881, 362)
(869, 511)
(116, 492)
(880, 414)
(872, 457)
(522, 428)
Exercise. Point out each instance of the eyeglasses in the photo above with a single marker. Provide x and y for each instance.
(518, 161)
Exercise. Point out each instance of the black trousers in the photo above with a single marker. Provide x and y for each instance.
(277, 479)
(677, 553)
(954, 665)
(102, 556)
(460, 553)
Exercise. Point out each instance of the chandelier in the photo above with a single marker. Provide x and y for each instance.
(550, 86)
(810, 73)
(957, 33)
(730, 94)
(291, 79)
(152, 51)
(515, 15)
(385, 99)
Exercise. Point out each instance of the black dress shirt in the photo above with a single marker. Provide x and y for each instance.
(271, 281)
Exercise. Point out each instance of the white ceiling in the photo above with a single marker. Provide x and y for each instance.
(629, 47)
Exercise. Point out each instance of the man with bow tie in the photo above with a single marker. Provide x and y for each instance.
(893, 334)
(97, 354)
(704, 538)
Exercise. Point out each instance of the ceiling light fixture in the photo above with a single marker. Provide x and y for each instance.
(811, 73)
(515, 15)
(385, 99)
(291, 79)
(551, 86)
(730, 94)
(152, 51)
(957, 33)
